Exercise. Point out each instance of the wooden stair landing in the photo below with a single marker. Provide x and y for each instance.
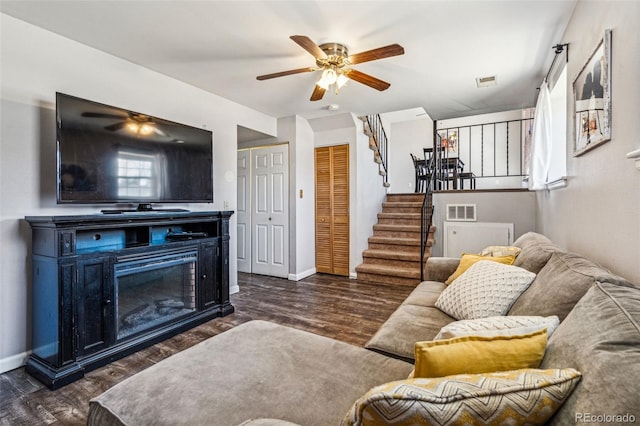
(393, 256)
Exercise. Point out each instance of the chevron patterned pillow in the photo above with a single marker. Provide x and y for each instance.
(522, 397)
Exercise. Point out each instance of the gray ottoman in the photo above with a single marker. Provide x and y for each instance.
(256, 370)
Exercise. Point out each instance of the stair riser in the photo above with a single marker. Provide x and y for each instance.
(392, 263)
(410, 222)
(395, 247)
(405, 197)
(399, 209)
(396, 234)
(384, 279)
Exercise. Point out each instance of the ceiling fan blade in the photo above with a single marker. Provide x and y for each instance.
(309, 45)
(102, 115)
(367, 79)
(379, 53)
(318, 93)
(283, 73)
(117, 126)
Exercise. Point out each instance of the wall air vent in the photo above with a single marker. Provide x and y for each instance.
(461, 212)
(486, 81)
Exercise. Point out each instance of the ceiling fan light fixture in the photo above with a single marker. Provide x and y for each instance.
(146, 129)
(341, 80)
(329, 76)
(133, 127)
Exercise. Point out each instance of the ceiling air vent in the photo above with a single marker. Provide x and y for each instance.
(486, 81)
(461, 212)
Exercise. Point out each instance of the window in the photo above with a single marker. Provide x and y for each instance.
(135, 175)
(548, 164)
(558, 166)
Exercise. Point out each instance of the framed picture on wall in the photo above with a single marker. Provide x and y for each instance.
(449, 142)
(592, 97)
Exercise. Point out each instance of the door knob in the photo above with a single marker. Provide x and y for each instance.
(269, 218)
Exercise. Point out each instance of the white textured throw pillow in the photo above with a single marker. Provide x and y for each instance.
(486, 289)
(499, 326)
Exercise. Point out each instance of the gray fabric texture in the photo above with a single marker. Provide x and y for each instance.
(600, 338)
(425, 294)
(416, 320)
(440, 268)
(255, 370)
(406, 326)
(536, 251)
(558, 286)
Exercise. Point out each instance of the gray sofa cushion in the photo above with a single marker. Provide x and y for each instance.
(425, 294)
(536, 251)
(601, 339)
(255, 370)
(559, 285)
(416, 320)
(406, 326)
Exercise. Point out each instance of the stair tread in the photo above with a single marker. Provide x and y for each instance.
(392, 255)
(396, 227)
(417, 204)
(394, 215)
(369, 268)
(394, 240)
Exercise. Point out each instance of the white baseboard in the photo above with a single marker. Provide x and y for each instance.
(234, 289)
(14, 361)
(353, 275)
(302, 275)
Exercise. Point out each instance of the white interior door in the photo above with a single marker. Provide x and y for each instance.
(270, 211)
(244, 211)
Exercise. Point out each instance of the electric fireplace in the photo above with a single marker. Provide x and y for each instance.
(153, 291)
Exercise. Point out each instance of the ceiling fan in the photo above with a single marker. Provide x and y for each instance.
(334, 61)
(133, 122)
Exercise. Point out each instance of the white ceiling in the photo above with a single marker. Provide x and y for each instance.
(221, 46)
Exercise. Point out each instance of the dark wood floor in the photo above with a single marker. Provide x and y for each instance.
(331, 306)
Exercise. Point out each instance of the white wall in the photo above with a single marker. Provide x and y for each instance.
(302, 261)
(517, 207)
(598, 213)
(34, 65)
(366, 203)
(407, 137)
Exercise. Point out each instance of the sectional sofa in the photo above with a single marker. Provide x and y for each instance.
(261, 373)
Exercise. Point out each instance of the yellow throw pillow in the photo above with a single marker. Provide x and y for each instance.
(501, 251)
(468, 259)
(476, 354)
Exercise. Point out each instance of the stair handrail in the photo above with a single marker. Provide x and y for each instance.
(380, 140)
(426, 213)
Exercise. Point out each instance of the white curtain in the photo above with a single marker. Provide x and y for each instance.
(541, 141)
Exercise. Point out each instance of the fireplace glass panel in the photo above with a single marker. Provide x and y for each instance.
(154, 291)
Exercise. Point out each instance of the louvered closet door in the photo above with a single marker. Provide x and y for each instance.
(332, 209)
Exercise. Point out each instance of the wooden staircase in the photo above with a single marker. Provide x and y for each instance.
(393, 255)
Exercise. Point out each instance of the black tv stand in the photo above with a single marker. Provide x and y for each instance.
(142, 208)
(90, 271)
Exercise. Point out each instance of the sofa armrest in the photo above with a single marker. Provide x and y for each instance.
(440, 268)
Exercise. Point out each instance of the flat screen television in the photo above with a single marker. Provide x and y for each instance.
(112, 155)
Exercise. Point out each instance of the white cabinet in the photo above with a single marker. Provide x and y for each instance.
(472, 237)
